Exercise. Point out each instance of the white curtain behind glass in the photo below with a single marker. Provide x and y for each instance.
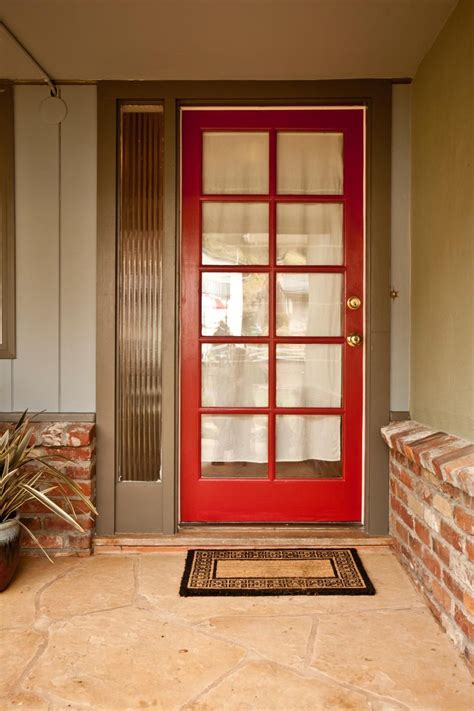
(309, 233)
(243, 438)
(234, 438)
(303, 437)
(309, 163)
(235, 233)
(307, 304)
(308, 375)
(234, 375)
(235, 162)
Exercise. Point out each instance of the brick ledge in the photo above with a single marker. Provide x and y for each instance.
(449, 458)
(58, 434)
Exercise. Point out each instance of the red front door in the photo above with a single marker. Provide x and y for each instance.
(272, 314)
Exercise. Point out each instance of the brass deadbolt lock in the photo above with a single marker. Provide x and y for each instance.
(354, 303)
(354, 339)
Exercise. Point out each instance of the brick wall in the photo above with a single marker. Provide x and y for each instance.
(76, 442)
(432, 522)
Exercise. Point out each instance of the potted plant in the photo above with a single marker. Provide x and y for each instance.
(27, 474)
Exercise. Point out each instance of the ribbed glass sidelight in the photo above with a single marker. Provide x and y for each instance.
(139, 294)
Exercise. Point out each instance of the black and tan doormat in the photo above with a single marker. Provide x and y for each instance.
(275, 571)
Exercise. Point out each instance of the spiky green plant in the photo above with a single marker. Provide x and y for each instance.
(26, 475)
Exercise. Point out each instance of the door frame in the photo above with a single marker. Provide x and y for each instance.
(153, 507)
(272, 499)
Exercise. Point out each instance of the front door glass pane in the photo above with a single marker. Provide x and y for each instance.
(235, 162)
(309, 163)
(234, 375)
(309, 233)
(308, 375)
(234, 446)
(235, 233)
(309, 304)
(234, 304)
(308, 447)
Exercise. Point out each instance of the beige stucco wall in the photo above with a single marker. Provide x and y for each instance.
(442, 347)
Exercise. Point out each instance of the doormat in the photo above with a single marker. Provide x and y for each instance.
(275, 571)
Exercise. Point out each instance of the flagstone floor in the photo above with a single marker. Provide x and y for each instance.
(110, 632)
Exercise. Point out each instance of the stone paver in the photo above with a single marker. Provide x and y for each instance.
(112, 633)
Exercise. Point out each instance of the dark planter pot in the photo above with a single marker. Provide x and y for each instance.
(9, 550)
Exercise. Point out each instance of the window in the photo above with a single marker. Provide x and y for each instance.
(139, 293)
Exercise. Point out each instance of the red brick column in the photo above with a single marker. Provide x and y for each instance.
(432, 522)
(76, 441)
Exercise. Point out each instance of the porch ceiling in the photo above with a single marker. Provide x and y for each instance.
(220, 39)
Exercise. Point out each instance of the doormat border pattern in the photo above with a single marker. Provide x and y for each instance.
(347, 559)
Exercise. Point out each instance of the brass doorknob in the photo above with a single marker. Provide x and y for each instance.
(353, 303)
(354, 339)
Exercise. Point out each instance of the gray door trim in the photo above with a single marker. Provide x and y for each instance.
(155, 508)
(7, 222)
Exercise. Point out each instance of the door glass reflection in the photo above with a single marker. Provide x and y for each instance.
(234, 304)
(234, 375)
(309, 233)
(234, 446)
(309, 304)
(234, 233)
(308, 375)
